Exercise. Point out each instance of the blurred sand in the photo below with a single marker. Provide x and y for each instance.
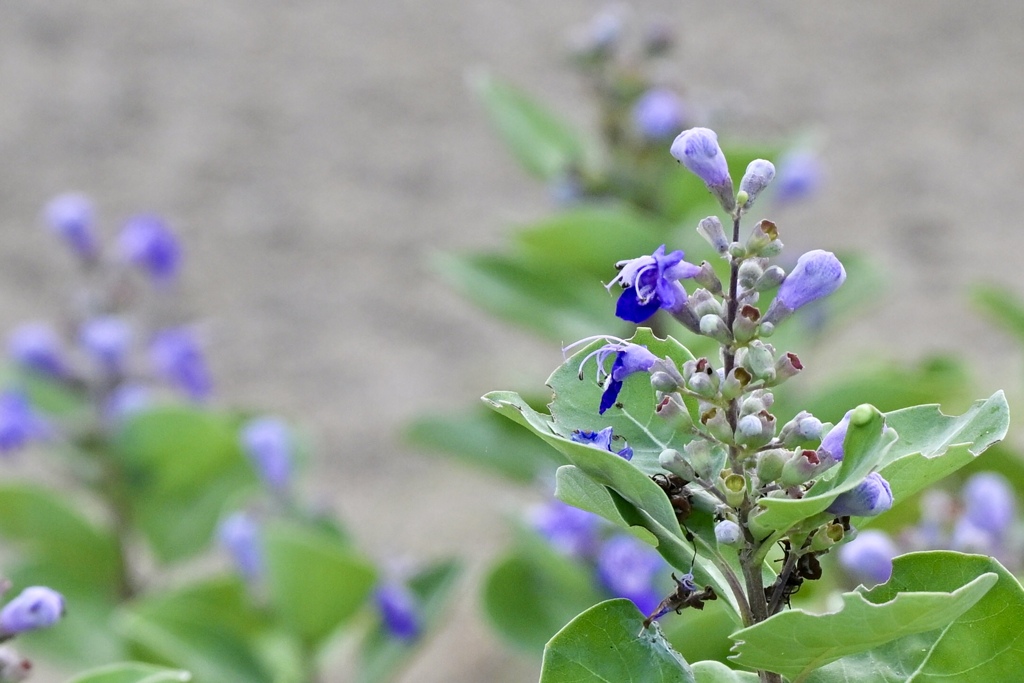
(313, 154)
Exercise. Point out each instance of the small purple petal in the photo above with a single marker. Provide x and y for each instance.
(268, 443)
(611, 393)
(19, 423)
(868, 557)
(398, 609)
(178, 359)
(36, 607)
(240, 534)
(71, 217)
(832, 444)
(630, 309)
(148, 243)
(871, 497)
(37, 347)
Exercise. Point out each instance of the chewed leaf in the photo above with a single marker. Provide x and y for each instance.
(794, 643)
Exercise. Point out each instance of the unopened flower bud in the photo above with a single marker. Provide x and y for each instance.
(35, 607)
(71, 217)
(702, 303)
(717, 424)
(268, 443)
(107, 340)
(816, 275)
(802, 431)
(672, 409)
(989, 502)
(749, 272)
(871, 497)
(708, 279)
(728, 532)
(37, 347)
(771, 277)
(868, 557)
(711, 230)
(240, 535)
(399, 610)
(674, 461)
(664, 382)
(713, 326)
(759, 361)
(735, 489)
(801, 468)
(148, 243)
(832, 444)
(760, 173)
(756, 429)
(770, 464)
(734, 383)
(697, 149)
(744, 328)
(178, 358)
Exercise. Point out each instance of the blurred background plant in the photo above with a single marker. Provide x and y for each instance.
(144, 482)
(617, 193)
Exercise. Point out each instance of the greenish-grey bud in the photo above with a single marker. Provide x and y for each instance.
(771, 277)
(770, 464)
(713, 326)
(702, 303)
(745, 326)
(717, 424)
(733, 385)
(711, 229)
(705, 457)
(674, 461)
(759, 360)
(672, 409)
(761, 236)
(707, 278)
(749, 272)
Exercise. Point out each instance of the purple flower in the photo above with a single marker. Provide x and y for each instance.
(817, 274)
(602, 440)
(37, 347)
(799, 176)
(832, 444)
(652, 282)
(239, 534)
(148, 243)
(178, 359)
(658, 114)
(870, 497)
(19, 423)
(629, 569)
(868, 557)
(125, 400)
(36, 607)
(569, 530)
(71, 217)
(968, 538)
(268, 443)
(398, 609)
(759, 174)
(989, 502)
(108, 340)
(697, 149)
(629, 358)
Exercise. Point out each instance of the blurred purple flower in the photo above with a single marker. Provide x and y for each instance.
(799, 175)
(19, 423)
(268, 443)
(107, 340)
(35, 607)
(870, 497)
(989, 502)
(629, 569)
(240, 535)
(125, 400)
(398, 609)
(71, 217)
(37, 347)
(658, 114)
(177, 358)
(868, 557)
(569, 530)
(651, 282)
(148, 243)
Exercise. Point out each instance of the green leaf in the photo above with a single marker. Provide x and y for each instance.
(794, 643)
(383, 655)
(575, 488)
(533, 591)
(481, 438)
(45, 394)
(544, 144)
(1001, 306)
(716, 672)
(866, 444)
(49, 531)
(932, 445)
(589, 240)
(985, 643)
(207, 628)
(530, 296)
(316, 581)
(132, 672)
(609, 643)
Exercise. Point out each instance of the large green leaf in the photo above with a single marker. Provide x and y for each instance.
(927, 593)
(50, 531)
(545, 145)
(1002, 306)
(481, 438)
(316, 581)
(533, 591)
(207, 628)
(985, 643)
(932, 445)
(132, 672)
(383, 655)
(716, 672)
(609, 643)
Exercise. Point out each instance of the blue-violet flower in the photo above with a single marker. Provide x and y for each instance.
(697, 149)
(398, 609)
(989, 502)
(652, 282)
(658, 114)
(178, 359)
(19, 423)
(833, 444)
(35, 607)
(568, 529)
(629, 569)
(71, 217)
(37, 347)
(817, 274)
(107, 340)
(798, 176)
(602, 440)
(240, 535)
(149, 244)
(629, 358)
(268, 443)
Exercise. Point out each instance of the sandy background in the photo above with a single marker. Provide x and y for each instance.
(313, 153)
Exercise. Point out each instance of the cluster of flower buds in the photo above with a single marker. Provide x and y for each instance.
(738, 454)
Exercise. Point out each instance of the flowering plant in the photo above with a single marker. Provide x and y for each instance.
(743, 507)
